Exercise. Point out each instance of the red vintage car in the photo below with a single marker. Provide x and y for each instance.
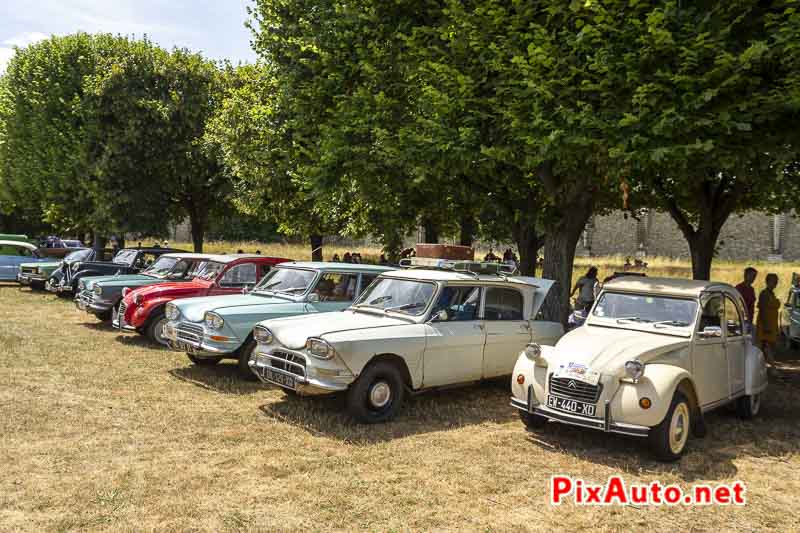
(142, 309)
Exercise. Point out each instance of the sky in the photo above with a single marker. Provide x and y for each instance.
(213, 27)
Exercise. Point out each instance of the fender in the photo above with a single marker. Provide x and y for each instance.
(144, 311)
(658, 383)
(535, 376)
(755, 371)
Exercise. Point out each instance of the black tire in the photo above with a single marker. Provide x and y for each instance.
(748, 407)
(154, 330)
(203, 361)
(532, 421)
(676, 426)
(37, 286)
(245, 352)
(378, 393)
(105, 316)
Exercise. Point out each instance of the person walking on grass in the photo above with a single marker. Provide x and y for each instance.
(748, 293)
(586, 288)
(767, 324)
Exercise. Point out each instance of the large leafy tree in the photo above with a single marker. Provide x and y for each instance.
(710, 126)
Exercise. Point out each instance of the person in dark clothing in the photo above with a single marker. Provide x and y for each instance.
(748, 293)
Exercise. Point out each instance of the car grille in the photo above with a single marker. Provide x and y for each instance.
(189, 332)
(288, 362)
(575, 390)
(121, 314)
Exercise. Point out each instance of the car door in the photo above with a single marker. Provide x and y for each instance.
(10, 258)
(507, 330)
(710, 362)
(235, 279)
(455, 337)
(333, 291)
(735, 347)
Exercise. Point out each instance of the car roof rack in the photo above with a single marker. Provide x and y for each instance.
(474, 268)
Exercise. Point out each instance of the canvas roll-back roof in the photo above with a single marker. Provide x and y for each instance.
(687, 288)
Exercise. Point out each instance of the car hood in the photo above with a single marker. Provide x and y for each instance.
(293, 332)
(174, 289)
(122, 280)
(194, 309)
(606, 350)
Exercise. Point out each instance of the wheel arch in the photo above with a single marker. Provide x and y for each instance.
(395, 360)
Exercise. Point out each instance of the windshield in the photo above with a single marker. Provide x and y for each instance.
(80, 255)
(210, 270)
(286, 280)
(642, 308)
(125, 257)
(163, 266)
(409, 297)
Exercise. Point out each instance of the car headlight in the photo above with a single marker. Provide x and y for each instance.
(98, 290)
(533, 351)
(171, 312)
(213, 320)
(320, 348)
(262, 335)
(634, 370)
(137, 298)
(125, 291)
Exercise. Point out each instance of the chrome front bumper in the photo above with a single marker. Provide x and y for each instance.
(181, 340)
(606, 424)
(305, 384)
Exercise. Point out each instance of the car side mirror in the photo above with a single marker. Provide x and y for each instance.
(711, 332)
(313, 298)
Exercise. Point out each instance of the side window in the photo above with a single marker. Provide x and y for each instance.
(503, 304)
(458, 303)
(366, 281)
(733, 320)
(239, 276)
(264, 268)
(336, 287)
(711, 316)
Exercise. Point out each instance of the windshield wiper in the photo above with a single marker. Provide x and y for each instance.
(632, 319)
(380, 299)
(675, 323)
(406, 306)
(292, 289)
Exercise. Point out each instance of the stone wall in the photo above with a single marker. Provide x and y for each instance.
(747, 236)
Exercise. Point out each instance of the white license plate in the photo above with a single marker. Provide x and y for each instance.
(570, 406)
(279, 379)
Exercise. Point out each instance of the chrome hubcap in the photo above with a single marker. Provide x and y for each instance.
(679, 428)
(380, 394)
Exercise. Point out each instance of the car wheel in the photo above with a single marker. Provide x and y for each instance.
(37, 286)
(532, 421)
(377, 394)
(203, 361)
(155, 329)
(668, 439)
(247, 352)
(748, 406)
(104, 316)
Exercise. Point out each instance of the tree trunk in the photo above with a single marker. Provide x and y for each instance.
(702, 250)
(467, 231)
(316, 247)
(431, 232)
(99, 244)
(528, 242)
(559, 255)
(198, 226)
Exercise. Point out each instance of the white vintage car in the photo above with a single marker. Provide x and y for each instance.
(410, 330)
(790, 318)
(652, 357)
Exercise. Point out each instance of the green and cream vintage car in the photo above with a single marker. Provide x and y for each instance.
(101, 295)
(36, 274)
(411, 330)
(210, 329)
(653, 356)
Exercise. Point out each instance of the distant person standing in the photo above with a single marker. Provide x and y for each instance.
(767, 324)
(748, 293)
(585, 288)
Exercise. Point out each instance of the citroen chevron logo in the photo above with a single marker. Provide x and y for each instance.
(572, 384)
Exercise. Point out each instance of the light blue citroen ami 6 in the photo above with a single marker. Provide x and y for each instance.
(214, 328)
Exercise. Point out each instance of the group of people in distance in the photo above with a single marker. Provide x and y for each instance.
(350, 257)
(509, 257)
(768, 304)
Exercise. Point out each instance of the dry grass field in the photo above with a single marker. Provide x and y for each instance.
(106, 432)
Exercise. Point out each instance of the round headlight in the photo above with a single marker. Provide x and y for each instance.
(213, 320)
(262, 335)
(320, 348)
(171, 312)
(137, 298)
(634, 369)
(98, 290)
(533, 351)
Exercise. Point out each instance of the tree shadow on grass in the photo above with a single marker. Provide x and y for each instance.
(424, 413)
(223, 378)
(774, 435)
